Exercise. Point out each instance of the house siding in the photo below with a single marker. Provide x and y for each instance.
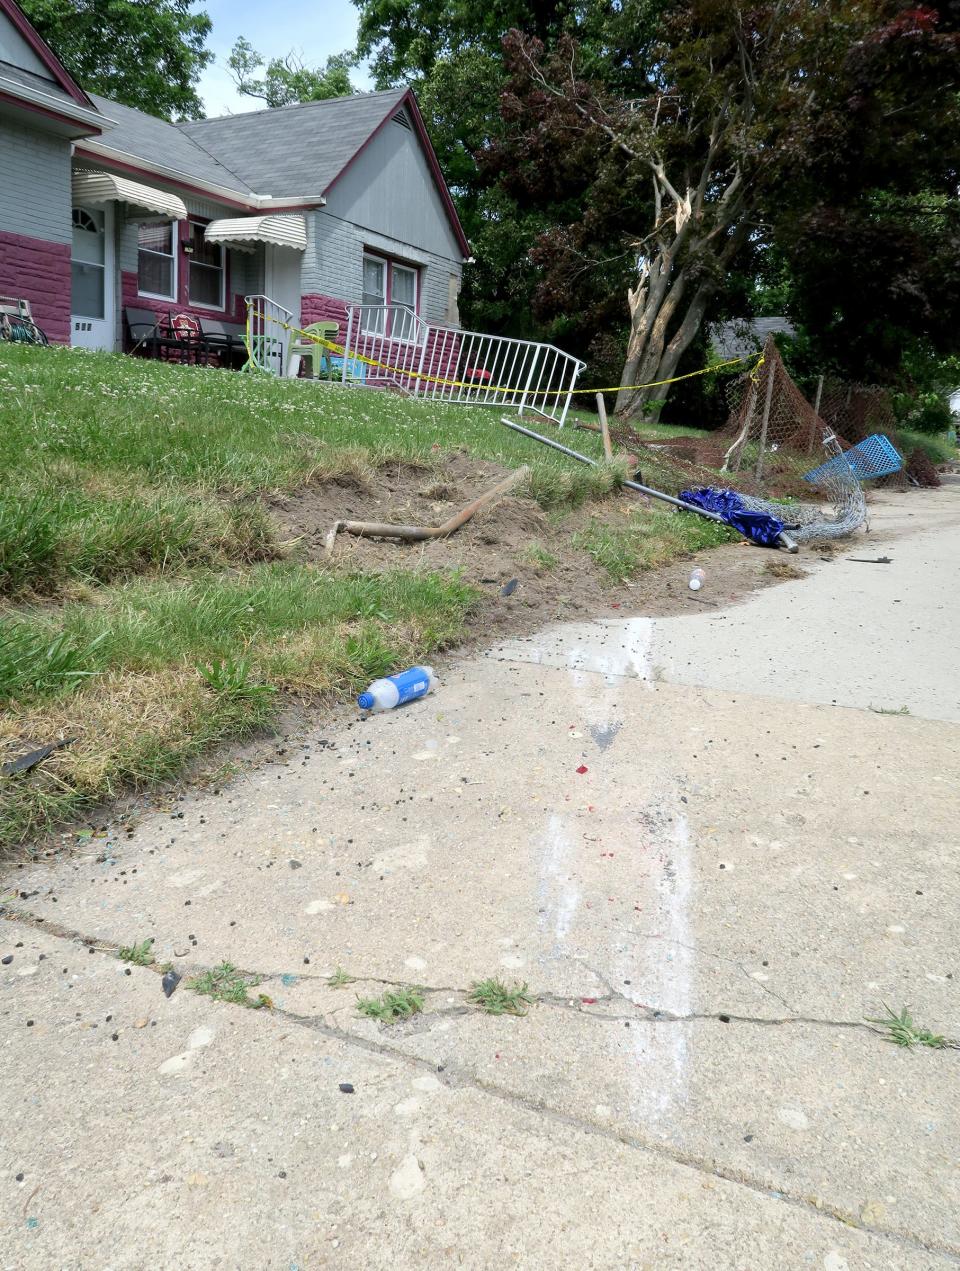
(35, 183)
(333, 266)
(35, 229)
(244, 272)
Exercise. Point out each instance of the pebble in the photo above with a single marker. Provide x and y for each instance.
(346, 1088)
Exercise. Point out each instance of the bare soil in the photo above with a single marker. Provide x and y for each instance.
(494, 548)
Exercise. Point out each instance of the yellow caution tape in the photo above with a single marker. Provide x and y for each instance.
(340, 349)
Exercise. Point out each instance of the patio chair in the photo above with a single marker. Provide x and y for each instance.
(188, 333)
(317, 354)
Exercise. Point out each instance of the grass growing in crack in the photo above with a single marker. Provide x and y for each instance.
(882, 710)
(902, 1031)
(225, 983)
(495, 998)
(394, 1005)
(139, 954)
(648, 540)
(340, 978)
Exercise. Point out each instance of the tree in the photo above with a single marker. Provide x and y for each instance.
(287, 79)
(450, 52)
(144, 53)
(748, 121)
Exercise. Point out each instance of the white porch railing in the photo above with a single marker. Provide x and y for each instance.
(268, 333)
(388, 344)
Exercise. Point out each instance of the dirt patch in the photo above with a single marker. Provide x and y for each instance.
(514, 539)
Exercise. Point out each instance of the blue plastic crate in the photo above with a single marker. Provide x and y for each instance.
(875, 456)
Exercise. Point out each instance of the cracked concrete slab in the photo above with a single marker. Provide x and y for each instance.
(630, 840)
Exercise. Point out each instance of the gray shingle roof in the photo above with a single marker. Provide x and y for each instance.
(294, 150)
(29, 80)
(159, 142)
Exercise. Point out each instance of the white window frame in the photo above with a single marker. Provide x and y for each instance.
(203, 304)
(389, 265)
(379, 260)
(174, 253)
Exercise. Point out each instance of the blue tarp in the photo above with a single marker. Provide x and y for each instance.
(763, 529)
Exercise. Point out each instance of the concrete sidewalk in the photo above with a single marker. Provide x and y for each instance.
(692, 837)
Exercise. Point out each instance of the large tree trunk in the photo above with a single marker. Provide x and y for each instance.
(663, 330)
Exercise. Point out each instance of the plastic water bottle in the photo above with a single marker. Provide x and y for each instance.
(394, 690)
(696, 579)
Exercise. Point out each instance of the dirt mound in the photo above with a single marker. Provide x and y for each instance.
(513, 539)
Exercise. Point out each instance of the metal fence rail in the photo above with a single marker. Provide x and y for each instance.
(391, 346)
(449, 364)
(268, 333)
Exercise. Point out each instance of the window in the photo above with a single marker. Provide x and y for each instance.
(206, 276)
(386, 282)
(87, 263)
(157, 260)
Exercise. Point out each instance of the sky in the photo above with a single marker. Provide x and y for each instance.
(273, 27)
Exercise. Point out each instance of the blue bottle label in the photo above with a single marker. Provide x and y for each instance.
(411, 684)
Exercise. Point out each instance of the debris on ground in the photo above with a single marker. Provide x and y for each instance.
(30, 760)
(395, 690)
(169, 983)
(422, 533)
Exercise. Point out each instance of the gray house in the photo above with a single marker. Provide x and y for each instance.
(319, 206)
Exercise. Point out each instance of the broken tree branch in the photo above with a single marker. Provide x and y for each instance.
(421, 533)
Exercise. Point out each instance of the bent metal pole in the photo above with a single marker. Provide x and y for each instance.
(785, 540)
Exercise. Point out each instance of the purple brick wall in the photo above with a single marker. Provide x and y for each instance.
(34, 270)
(440, 358)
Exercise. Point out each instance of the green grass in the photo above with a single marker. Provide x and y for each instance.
(159, 670)
(902, 1031)
(340, 978)
(496, 998)
(224, 983)
(139, 954)
(147, 607)
(649, 540)
(537, 555)
(394, 1005)
(936, 446)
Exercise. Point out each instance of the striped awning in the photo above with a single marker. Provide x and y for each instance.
(104, 187)
(244, 232)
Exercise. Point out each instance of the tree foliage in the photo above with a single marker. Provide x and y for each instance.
(144, 53)
(288, 79)
(753, 128)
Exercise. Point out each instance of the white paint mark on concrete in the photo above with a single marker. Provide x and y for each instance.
(557, 893)
(427, 1084)
(27, 970)
(318, 906)
(793, 1118)
(835, 1261)
(660, 1060)
(404, 856)
(407, 1180)
(176, 1063)
(201, 1036)
(345, 1161)
(895, 929)
(415, 964)
(184, 878)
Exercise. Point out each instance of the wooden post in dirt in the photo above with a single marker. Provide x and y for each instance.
(604, 426)
(816, 415)
(765, 422)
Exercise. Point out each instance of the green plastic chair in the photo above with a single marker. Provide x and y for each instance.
(317, 354)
